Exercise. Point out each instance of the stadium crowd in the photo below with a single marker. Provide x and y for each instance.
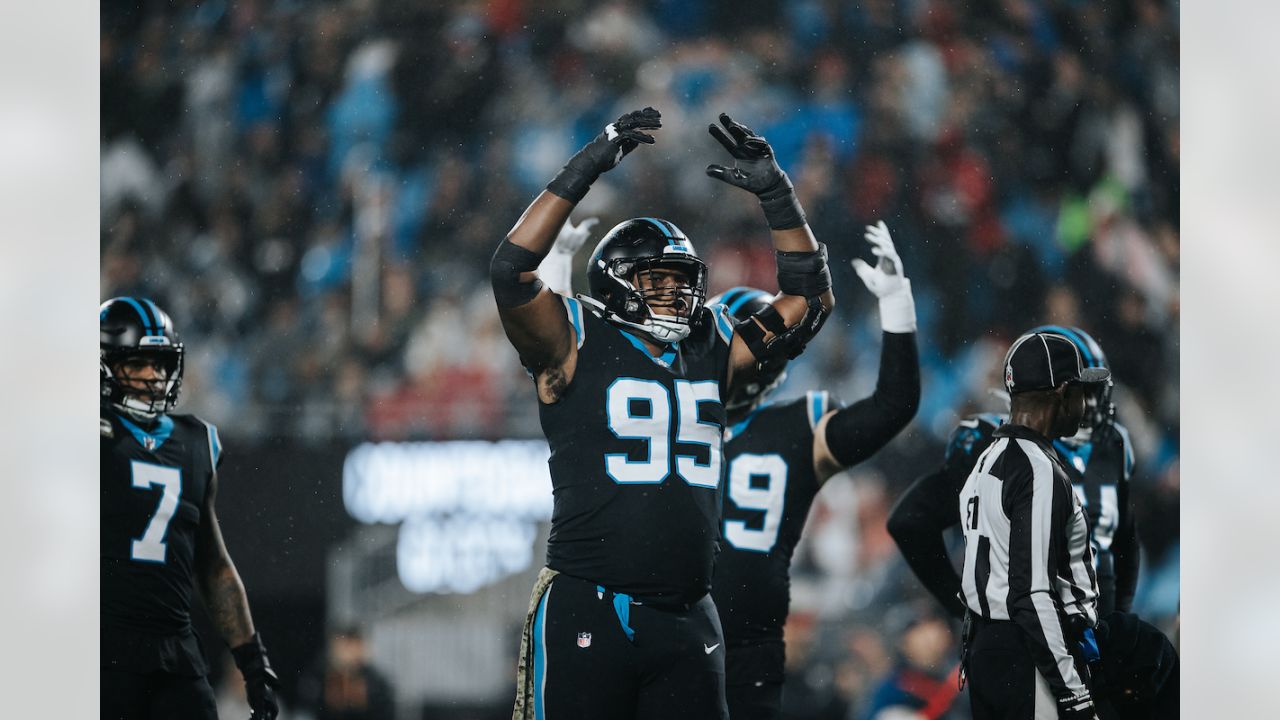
(313, 191)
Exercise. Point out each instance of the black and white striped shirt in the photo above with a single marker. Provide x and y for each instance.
(1027, 555)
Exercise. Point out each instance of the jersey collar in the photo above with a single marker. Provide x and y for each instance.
(667, 359)
(741, 426)
(153, 439)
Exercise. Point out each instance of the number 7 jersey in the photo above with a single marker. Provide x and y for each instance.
(152, 483)
(636, 460)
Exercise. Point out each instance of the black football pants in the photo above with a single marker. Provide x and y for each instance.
(155, 696)
(595, 655)
(755, 702)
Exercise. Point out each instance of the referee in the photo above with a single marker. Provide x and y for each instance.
(1028, 580)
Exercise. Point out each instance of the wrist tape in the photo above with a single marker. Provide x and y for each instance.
(781, 206)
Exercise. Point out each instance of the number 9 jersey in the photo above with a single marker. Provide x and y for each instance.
(770, 487)
(153, 484)
(637, 458)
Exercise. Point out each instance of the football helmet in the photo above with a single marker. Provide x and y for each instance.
(130, 329)
(741, 303)
(623, 283)
(1099, 410)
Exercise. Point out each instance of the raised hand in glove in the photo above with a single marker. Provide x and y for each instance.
(887, 282)
(755, 170)
(260, 681)
(604, 153)
(556, 269)
(572, 236)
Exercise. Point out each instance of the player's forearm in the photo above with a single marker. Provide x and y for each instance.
(916, 524)
(1037, 616)
(797, 239)
(537, 228)
(1124, 549)
(857, 432)
(228, 604)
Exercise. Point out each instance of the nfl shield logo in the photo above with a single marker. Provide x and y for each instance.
(584, 640)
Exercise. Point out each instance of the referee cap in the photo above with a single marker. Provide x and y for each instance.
(1043, 361)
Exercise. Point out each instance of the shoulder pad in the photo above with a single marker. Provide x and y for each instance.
(817, 403)
(972, 431)
(215, 443)
(723, 322)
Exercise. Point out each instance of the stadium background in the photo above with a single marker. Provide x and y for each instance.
(313, 190)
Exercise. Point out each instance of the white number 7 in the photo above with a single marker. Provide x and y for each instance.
(150, 547)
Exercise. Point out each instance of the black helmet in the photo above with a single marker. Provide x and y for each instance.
(743, 302)
(1100, 409)
(638, 246)
(131, 327)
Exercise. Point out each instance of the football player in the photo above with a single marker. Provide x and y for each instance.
(630, 380)
(1099, 459)
(778, 456)
(160, 535)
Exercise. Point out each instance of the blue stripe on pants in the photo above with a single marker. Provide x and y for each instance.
(540, 656)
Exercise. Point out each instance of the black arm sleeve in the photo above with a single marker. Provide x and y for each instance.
(917, 523)
(1124, 548)
(856, 432)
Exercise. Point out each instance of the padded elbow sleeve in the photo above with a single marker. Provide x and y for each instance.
(804, 273)
(509, 262)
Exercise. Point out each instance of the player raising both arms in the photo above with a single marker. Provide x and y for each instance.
(778, 456)
(629, 382)
(160, 534)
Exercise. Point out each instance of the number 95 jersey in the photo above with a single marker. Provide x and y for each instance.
(636, 460)
(153, 484)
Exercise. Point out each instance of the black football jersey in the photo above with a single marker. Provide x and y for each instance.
(769, 487)
(153, 485)
(1099, 471)
(636, 460)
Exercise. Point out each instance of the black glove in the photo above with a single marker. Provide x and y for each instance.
(260, 681)
(755, 170)
(604, 153)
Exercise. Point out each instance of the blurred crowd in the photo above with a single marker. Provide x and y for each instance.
(313, 190)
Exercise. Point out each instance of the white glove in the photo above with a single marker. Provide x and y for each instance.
(887, 282)
(556, 270)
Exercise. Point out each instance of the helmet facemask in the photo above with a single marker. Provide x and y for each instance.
(662, 295)
(128, 386)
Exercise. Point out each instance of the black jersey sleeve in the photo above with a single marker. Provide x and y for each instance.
(928, 507)
(917, 523)
(1124, 547)
(856, 432)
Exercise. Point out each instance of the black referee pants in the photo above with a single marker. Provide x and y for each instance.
(596, 656)
(1003, 681)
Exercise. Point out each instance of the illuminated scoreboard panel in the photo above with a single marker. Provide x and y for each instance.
(468, 510)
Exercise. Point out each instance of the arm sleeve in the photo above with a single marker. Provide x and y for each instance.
(1124, 548)
(856, 432)
(1037, 507)
(917, 523)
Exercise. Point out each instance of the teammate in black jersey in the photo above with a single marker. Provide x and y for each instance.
(160, 533)
(778, 456)
(629, 382)
(1099, 459)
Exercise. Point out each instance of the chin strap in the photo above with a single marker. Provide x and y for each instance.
(658, 330)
